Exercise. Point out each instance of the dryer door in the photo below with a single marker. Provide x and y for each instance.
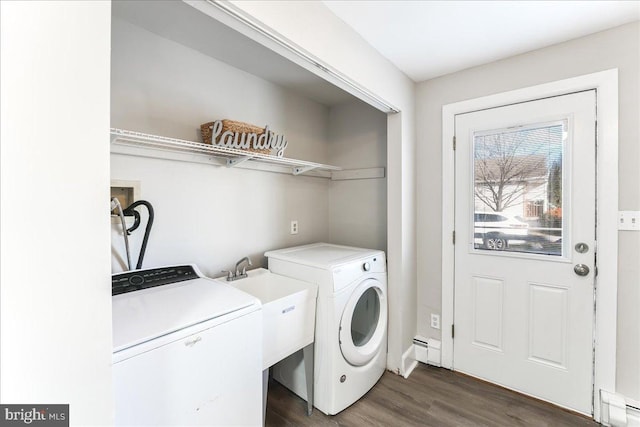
(364, 323)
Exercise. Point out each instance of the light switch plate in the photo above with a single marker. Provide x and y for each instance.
(629, 220)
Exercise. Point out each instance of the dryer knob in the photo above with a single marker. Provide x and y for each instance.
(366, 266)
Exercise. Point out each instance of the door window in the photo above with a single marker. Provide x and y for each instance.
(518, 182)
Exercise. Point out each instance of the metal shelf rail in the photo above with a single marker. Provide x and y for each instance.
(147, 145)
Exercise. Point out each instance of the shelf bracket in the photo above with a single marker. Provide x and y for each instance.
(299, 170)
(237, 160)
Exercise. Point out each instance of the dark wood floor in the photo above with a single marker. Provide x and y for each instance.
(429, 397)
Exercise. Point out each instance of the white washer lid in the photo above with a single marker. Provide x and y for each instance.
(322, 255)
(147, 314)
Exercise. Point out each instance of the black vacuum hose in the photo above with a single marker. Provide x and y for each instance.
(136, 221)
(130, 211)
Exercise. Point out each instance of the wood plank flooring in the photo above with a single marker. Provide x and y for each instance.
(429, 397)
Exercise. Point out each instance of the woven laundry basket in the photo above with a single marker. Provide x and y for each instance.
(233, 126)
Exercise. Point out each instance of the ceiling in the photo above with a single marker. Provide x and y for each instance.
(181, 23)
(427, 39)
(424, 39)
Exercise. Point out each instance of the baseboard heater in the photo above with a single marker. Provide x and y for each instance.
(617, 411)
(427, 350)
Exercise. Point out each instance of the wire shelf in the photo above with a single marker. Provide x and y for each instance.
(231, 156)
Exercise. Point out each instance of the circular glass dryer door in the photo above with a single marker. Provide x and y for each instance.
(363, 323)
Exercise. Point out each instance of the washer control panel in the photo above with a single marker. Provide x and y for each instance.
(131, 281)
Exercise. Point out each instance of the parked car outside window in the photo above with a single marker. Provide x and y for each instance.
(494, 231)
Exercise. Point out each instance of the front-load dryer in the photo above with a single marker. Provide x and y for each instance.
(351, 321)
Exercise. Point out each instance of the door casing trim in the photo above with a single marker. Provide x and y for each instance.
(606, 85)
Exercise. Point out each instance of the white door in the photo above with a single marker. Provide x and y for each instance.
(525, 247)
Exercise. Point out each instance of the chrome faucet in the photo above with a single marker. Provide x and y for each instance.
(244, 269)
(239, 274)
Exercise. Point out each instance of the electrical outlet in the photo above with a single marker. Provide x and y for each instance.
(629, 220)
(294, 227)
(435, 321)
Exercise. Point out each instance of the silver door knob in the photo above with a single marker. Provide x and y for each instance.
(581, 248)
(581, 269)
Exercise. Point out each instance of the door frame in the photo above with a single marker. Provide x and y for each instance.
(606, 283)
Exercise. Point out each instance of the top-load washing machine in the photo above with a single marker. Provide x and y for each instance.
(184, 350)
(351, 321)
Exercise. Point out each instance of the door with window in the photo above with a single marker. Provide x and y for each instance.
(525, 247)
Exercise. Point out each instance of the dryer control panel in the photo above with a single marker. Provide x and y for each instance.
(142, 279)
(374, 264)
(370, 266)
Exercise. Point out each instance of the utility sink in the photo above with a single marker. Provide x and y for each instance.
(288, 312)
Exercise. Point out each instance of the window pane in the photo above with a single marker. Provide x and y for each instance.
(518, 182)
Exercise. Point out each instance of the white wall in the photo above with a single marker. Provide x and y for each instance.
(313, 27)
(615, 48)
(55, 340)
(210, 215)
(358, 208)
(213, 216)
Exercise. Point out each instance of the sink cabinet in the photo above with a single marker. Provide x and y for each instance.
(288, 322)
(288, 312)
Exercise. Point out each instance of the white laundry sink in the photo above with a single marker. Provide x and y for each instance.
(288, 312)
